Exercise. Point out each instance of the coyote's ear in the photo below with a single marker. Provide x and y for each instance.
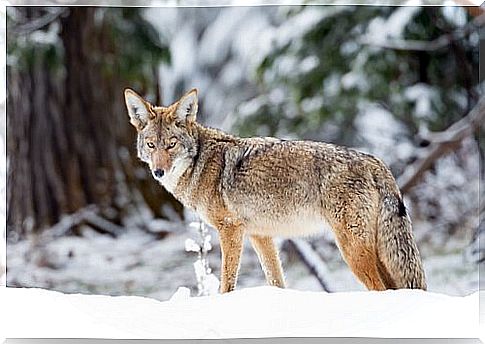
(138, 109)
(187, 106)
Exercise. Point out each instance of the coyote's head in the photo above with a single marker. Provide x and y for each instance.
(166, 140)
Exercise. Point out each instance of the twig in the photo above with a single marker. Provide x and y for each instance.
(436, 44)
(312, 260)
(449, 140)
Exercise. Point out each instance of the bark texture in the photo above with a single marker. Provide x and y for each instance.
(70, 144)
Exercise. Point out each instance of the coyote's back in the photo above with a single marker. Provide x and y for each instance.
(266, 187)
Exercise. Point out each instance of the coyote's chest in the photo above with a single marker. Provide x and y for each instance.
(171, 180)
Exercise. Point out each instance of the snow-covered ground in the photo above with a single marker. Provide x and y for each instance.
(138, 264)
(247, 313)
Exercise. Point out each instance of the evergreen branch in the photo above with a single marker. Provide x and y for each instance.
(417, 45)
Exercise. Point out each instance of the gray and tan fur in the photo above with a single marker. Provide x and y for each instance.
(266, 187)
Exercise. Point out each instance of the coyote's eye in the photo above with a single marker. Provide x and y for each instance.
(150, 145)
(172, 143)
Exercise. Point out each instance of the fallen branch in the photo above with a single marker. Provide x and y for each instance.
(162, 227)
(67, 222)
(102, 225)
(447, 141)
(89, 216)
(312, 260)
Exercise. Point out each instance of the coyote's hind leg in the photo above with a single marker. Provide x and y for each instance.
(362, 260)
(359, 251)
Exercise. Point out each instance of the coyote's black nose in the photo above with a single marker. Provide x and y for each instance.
(158, 173)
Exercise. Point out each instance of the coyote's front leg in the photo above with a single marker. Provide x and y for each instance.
(231, 240)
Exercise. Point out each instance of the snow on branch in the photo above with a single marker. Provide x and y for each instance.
(207, 282)
(417, 45)
(312, 260)
(444, 142)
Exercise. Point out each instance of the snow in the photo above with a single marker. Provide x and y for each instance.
(312, 104)
(455, 15)
(393, 27)
(139, 263)
(133, 263)
(422, 95)
(299, 24)
(207, 282)
(382, 133)
(357, 78)
(216, 40)
(51, 36)
(245, 313)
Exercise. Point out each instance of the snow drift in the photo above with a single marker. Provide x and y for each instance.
(252, 312)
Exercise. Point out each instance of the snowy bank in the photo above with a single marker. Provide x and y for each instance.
(251, 312)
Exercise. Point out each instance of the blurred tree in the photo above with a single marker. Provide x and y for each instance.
(321, 76)
(70, 144)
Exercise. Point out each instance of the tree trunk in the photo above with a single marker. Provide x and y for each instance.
(70, 143)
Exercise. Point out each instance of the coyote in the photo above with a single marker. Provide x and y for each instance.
(267, 187)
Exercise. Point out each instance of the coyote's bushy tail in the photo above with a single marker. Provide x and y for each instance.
(399, 260)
